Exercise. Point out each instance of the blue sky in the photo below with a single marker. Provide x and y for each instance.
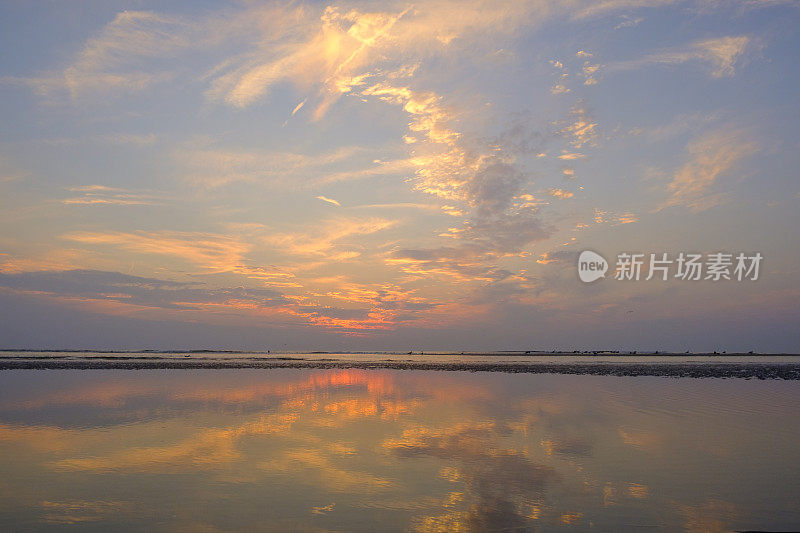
(387, 175)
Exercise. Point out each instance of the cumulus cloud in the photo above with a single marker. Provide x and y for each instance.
(478, 175)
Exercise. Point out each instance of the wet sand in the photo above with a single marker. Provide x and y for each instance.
(741, 370)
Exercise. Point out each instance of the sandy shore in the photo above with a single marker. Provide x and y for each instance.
(748, 370)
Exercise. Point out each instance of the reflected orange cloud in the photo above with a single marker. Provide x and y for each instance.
(646, 440)
(41, 439)
(712, 516)
(496, 454)
(73, 512)
(365, 408)
(209, 449)
(319, 469)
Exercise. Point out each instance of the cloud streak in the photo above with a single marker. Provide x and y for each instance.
(329, 200)
(104, 195)
(711, 157)
(211, 252)
(721, 56)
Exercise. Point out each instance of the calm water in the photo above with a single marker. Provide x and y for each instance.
(360, 450)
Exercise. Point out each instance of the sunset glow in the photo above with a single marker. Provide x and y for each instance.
(395, 176)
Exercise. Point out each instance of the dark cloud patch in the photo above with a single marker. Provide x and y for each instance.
(560, 256)
(507, 234)
(494, 185)
(518, 136)
(572, 447)
(135, 290)
(336, 312)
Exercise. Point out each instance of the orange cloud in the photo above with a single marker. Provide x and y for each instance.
(326, 242)
(560, 193)
(711, 157)
(212, 252)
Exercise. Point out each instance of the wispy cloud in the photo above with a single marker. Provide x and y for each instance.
(329, 52)
(103, 195)
(210, 167)
(9, 171)
(602, 7)
(720, 55)
(628, 22)
(119, 139)
(106, 62)
(211, 252)
(614, 218)
(710, 157)
(322, 51)
(352, 309)
(468, 177)
(329, 200)
(401, 205)
(328, 240)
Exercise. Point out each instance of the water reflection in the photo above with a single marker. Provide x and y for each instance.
(289, 449)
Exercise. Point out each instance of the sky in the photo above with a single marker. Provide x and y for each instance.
(397, 176)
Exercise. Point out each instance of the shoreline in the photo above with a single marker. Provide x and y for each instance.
(748, 370)
(496, 353)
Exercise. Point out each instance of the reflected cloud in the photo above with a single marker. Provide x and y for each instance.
(571, 447)
(713, 516)
(208, 449)
(499, 481)
(459, 451)
(74, 512)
